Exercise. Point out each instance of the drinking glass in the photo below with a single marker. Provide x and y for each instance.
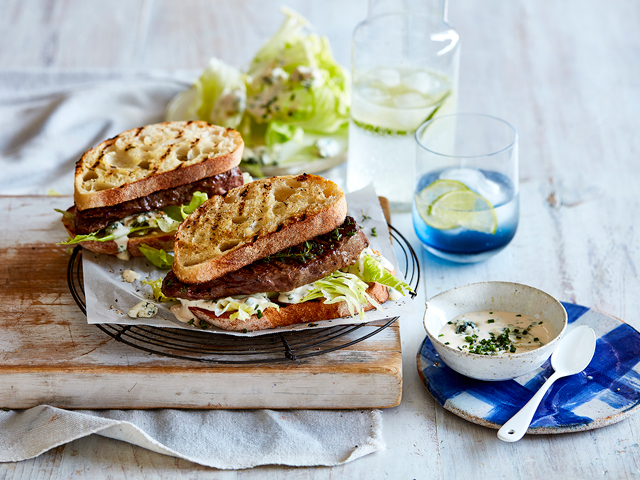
(404, 66)
(466, 196)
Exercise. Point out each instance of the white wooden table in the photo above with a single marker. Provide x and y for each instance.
(565, 73)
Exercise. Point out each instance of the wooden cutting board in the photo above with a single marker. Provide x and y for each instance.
(50, 355)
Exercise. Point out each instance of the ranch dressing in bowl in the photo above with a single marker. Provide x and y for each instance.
(490, 332)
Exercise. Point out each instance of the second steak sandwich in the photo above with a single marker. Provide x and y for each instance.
(275, 252)
(136, 188)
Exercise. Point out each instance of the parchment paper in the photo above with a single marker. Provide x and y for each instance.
(109, 297)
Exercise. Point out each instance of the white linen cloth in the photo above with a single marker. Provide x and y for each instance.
(225, 439)
(47, 120)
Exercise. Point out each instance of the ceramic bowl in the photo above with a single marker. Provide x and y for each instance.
(500, 296)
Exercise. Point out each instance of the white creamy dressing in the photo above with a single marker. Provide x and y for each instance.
(376, 256)
(394, 295)
(143, 309)
(130, 276)
(467, 331)
(296, 295)
(121, 229)
(120, 233)
(182, 313)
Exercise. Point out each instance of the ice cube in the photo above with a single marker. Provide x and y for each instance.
(373, 95)
(477, 181)
(409, 100)
(420, 82)
(389, 77)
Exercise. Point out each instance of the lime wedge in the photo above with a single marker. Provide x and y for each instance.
(462, 208)
(429, 194)
(436, 189)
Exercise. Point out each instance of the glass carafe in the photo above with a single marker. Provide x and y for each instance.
(404, 66)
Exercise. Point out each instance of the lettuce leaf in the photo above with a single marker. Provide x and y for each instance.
(198, 199)
(65, 213)
(179, 214)
(315, 97)
(373, 271)
(156, 286)
(293, 87)
(218, 97)
(96, 236)
(278, 133)
(342, 287)
(157, 256)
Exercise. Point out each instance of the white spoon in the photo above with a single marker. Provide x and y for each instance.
(573, 354)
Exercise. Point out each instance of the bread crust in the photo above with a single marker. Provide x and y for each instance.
(175, 174)
(199, 259)
(306, 312)
(161, 240)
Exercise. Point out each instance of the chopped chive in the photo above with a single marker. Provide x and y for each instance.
(518, 315)
(536, 339)
(441, 335)
(446, 343)
(491, 320)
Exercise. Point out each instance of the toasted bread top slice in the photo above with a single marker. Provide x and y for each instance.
(146, 159)
(250, 222)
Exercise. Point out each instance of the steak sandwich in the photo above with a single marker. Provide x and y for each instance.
(275, 252)
(136, 188)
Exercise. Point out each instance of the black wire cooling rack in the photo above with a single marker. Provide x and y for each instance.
(210, 347)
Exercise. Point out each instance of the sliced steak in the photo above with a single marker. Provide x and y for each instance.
(92, 219)
(283, 271)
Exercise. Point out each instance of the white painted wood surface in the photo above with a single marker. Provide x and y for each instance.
(564, 73)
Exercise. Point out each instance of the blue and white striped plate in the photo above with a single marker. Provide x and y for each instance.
(605, 393)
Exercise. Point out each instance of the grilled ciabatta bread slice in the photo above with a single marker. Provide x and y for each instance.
(250, 222)
(144, 160)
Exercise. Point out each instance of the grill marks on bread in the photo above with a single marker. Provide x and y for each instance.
(145, 159)
(253, 221)
(288, 269)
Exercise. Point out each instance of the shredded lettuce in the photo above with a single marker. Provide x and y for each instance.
(342, 287)
(157, 256)
(241, 306)
(156, 286)
(293, 87)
